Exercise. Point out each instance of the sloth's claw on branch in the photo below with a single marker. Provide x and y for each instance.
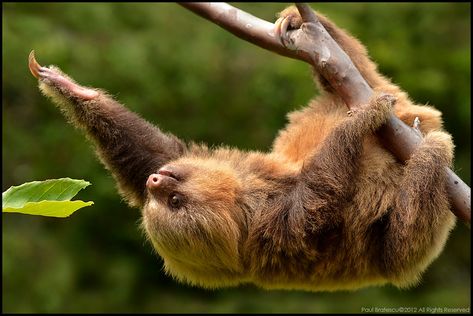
(281, 27)
(416, 126)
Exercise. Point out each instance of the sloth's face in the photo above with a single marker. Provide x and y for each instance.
(193, 220)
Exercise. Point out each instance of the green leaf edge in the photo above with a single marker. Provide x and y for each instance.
(81, 184)
(78, 205)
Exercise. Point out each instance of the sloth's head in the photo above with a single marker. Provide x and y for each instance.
(194, 222)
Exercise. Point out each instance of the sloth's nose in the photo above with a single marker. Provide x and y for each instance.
(154, 181)
(165, 178)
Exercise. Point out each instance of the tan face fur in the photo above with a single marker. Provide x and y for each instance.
(193, 220)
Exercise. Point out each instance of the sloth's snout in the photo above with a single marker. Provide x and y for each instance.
(154, 181)
(165, 178)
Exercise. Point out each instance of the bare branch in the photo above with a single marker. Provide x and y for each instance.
(312, 44)
(243, 25)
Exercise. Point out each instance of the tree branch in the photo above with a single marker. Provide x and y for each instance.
(312, 44)
(244, 25)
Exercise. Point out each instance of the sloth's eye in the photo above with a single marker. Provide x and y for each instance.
(175, 200)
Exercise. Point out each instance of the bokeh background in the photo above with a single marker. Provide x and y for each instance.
(201, 83)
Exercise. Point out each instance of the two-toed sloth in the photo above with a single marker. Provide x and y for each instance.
(328, 208)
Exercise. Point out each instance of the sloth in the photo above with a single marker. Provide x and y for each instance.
(328, 208)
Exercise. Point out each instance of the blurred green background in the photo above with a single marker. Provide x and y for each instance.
(201, 83)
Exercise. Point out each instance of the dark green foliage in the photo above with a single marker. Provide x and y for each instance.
(201, 83)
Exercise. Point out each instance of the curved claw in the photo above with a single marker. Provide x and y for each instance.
(416, 126)
(35, 68)
(277, 27)
(281, 27)
(53, 77)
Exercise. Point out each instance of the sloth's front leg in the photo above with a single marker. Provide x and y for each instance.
(330, 173)
(130, 147)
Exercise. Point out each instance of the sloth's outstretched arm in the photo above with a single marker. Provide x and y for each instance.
(130, 147)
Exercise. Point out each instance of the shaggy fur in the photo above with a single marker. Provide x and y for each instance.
(328, 208)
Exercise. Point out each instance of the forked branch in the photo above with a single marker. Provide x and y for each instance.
(312, 44)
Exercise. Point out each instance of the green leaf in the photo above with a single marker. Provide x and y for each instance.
(53, 190)
(47, 198)
(49, 208)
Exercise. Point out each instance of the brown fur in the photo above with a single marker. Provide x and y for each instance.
(329, 208)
